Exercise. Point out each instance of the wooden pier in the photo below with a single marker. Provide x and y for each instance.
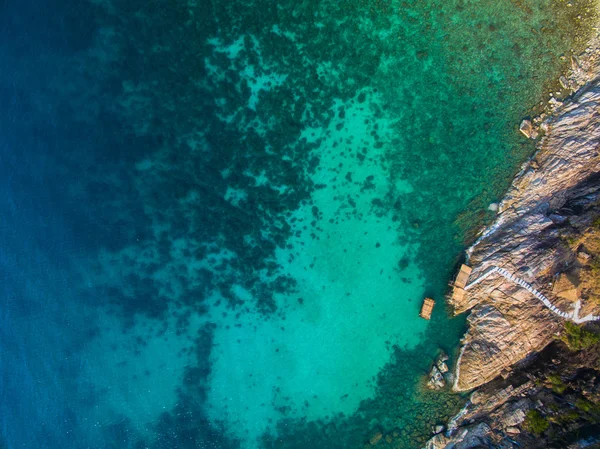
(459, 284)
(427, 308)
(463, 276)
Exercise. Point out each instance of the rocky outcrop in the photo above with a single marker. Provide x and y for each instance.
(507, 323)
(505, 353)
(437, 381)
(561, 387)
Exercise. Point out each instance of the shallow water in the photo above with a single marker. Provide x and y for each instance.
(220, 218)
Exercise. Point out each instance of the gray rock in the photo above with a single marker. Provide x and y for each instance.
(442, 367)
(441, 362)
(436, 379)
(440, 441)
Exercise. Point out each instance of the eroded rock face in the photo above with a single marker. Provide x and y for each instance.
(507, 323)
(500, 335)
(497, 414)
(487, 417)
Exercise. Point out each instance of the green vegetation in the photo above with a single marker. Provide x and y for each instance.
(566, 417)
(588, 407)
(553, 407)
(584, 405)
(558, 386)
(577, 338)
(594, 265)
(535, 422)
(570, 239)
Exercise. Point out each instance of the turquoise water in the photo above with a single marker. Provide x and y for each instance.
(221, 218)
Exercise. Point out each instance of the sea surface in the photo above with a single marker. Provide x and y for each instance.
(219, 218)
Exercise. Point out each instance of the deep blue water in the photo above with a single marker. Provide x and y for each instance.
(219, 218)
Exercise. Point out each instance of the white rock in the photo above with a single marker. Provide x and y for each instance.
(528, 130)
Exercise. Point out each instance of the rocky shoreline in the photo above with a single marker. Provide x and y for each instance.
(547, 233)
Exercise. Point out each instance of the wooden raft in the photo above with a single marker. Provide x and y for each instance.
(427, 308)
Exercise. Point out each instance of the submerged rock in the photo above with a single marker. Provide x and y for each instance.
(376, 438)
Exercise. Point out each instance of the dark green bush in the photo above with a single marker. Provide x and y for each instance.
(588, 407)
(576, 337)
(558, 386)
(535, 422)
(566, 417)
